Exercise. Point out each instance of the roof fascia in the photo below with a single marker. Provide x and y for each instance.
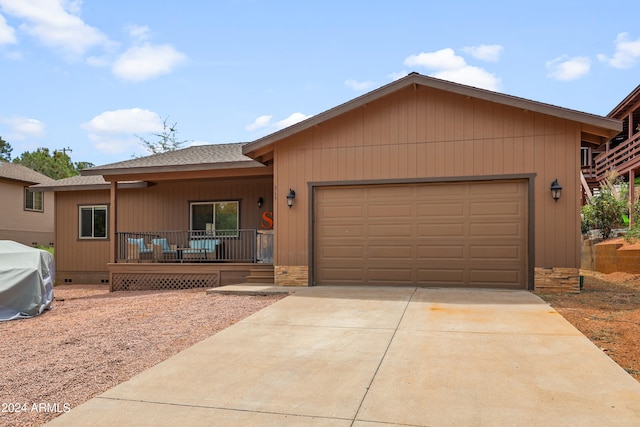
(632, 98)
(91, 187)
(171, 168)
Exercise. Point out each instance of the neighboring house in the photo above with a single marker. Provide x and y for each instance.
(621, 153)
(421, 182)
(26, 215)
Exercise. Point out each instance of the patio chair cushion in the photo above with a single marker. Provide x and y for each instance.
(208, 244)
(141, 245)
(163, 243)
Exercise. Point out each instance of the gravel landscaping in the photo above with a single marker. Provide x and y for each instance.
(92, 340)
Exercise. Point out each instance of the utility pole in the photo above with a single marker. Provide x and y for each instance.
(64, 150)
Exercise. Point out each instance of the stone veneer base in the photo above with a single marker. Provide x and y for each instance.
(549, 280)
(291, 275)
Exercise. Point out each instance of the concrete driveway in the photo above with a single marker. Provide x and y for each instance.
(346, 356)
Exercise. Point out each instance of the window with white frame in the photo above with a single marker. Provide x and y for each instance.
(93, 222)
(33, 200)
(214, 216)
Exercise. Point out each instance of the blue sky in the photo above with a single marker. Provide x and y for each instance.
(90, 75)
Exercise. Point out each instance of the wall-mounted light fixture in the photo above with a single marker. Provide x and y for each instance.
(290, 197)
(555, 190)
(260, 202)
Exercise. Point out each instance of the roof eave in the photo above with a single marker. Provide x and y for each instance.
(89, 187)
(172, 168)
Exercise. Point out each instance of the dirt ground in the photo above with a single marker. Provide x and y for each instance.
(607, 311)
(92, 340)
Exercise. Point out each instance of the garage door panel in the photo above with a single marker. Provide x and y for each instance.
(441, 229)
(441, 209)
(382, 211)
(506, 208)
(343, 230)
(391, 275)
(342, 252)
(435, 252)
(390, 252)
(343, 212)
(441, 276)
(440, 191)
(513, 229)
(455, 234)
(502, 252)
(344, 274)
(494, 277)
(390, 230)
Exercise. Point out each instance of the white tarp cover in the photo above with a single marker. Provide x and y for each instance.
(26, 280)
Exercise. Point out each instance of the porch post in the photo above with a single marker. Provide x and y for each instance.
(113, 221)
(632, 194)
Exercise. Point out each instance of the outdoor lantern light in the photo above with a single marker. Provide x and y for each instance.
(260, 202)
(290, 197)
(555, 190)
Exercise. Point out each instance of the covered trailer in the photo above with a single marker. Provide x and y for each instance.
(26, 280)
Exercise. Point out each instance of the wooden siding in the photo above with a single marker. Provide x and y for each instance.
(424, 133)
(160, 207)
(16, 223)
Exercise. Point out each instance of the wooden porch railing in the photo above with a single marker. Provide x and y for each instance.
(187, 246)
(622, 158)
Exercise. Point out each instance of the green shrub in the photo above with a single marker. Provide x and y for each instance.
(605, 211)
(46, 248)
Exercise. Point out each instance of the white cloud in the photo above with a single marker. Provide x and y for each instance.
(472, 76)
(129, 121)
(111, 144)
(566, 69)
(626, 54)
(147, 61)
(291, 120)
(485, 52)
(444, 59)
(265, 121)
(449, 66)
(138, 32)
(113, 132)
(7, 33)
(55, 23)
(98, 61)
(22, 128)
(356, 85)
(398, 75)
(260, 122)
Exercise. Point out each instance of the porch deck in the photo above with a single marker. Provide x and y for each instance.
(622, 158)
(163, 276)
(191, 259)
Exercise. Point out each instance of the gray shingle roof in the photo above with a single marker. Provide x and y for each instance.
(22, 173)
(215, 156)
(92, 182)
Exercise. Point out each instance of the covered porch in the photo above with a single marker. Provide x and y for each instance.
(196, 218)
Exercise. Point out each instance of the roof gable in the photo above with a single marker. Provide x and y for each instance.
(592, 124)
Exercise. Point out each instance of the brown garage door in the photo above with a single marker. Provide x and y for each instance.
(471, 234)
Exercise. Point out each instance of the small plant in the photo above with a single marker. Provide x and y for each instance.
(605, 210)
(46, 248)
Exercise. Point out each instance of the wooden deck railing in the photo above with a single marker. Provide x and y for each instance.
(622, 158)
(187, 246)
